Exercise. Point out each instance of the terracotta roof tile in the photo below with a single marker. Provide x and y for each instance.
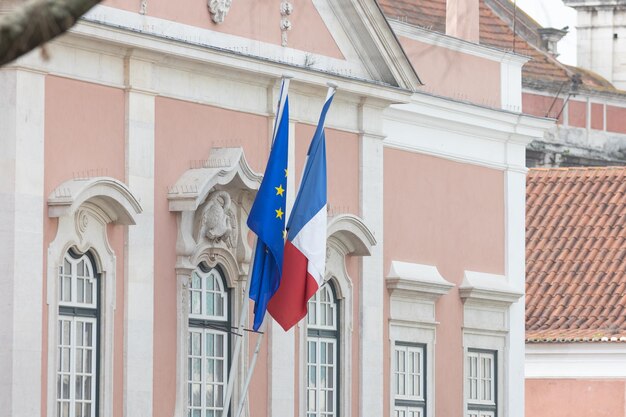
(542, 69)
(575, 252)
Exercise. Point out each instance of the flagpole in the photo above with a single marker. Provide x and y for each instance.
(243, 313)
(252, 365)
(332, 88)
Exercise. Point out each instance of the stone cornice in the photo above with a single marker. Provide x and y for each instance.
(409, 280)
(480, 286)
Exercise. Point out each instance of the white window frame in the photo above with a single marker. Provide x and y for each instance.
(77, 313)
(413, 293)
(487, 300)
(478, 405)
(323, 335)
(407, 404)
(204, 325)
(84, 209)
(72, 372)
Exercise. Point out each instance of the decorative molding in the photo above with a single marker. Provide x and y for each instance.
(224, 166)
(219, 9)
(216, 220)
(143, 8)
(463, 132)
(118, 204)
(487, 324)
(351, 232)
(286, 8)
(409, 280)
(414, 290)
(84, 209)
(211, 202)
(376, 42)
(379, 56)
(480, 286)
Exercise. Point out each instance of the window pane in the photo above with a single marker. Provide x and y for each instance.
(219, 304)
(90, 292)
(88, 388)
(79, 360)
(195, 395)
(78, 389)
(311, 400)
(312, 312)
(196, 303)
(210, 305)
(219, 339)
(196, 281)
(80, 290)
(67, 289)
(210, 395)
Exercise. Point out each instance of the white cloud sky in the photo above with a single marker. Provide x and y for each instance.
(553, 13)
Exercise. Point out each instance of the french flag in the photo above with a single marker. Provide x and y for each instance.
(304, 259)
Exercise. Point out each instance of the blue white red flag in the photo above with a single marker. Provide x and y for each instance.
(304, 260)
(267, 216)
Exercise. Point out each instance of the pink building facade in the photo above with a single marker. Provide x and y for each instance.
(129, 162)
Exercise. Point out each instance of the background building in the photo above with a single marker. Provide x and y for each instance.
(575, 292)
(590, 109)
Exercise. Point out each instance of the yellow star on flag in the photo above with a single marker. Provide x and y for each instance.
(286, 172)
(280, 190)
(279, 213)
(285, 234)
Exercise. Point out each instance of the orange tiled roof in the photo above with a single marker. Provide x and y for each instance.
(542, 69)
(576, 254)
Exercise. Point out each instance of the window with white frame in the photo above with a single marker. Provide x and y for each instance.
(481, 383)
(409, 380)
(78, 328)
(208, 355)
(322, 363)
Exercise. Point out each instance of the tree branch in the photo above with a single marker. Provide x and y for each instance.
(36, 22)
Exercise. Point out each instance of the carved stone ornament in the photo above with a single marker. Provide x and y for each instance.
(218, 220)
(219, 9)
(286, 9)
(81, 222)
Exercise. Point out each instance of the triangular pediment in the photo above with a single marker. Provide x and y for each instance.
(347, 38)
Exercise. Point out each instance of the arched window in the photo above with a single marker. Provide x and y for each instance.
(322, 363)
(209, 326)
(78, 330)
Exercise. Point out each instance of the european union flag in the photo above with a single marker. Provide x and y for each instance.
(267, 216)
